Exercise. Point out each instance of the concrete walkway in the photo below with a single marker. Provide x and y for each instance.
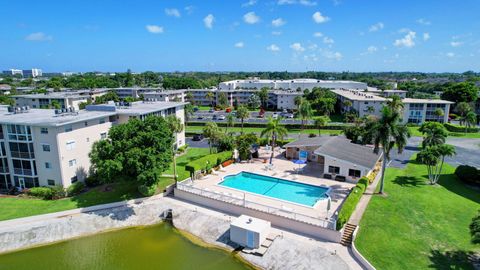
(363, 203)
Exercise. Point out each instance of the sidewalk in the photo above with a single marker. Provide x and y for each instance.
(363, 203)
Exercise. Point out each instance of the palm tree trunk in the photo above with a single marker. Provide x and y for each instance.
(273, 148)
(384, 166)
(242, 126)
(175, 168)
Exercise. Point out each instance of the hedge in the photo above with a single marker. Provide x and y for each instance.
(351, 202)
(75, 188)
(262, 125)
(147, 191)
(468, 174)
(460, 129)
(208, 161)
(45, 193)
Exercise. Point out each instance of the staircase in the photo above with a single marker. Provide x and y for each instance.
(266, 244)
(347, 236)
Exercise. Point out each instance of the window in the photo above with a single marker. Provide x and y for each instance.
(74, 179)
(86, 123)
(48, 165)
(72, 163)
(103, 135)
(70, 145)
(68, 128)
(354, 173)
(102, 121)
(51, 182)
(46, 147)
(333, 169)
(44, 130)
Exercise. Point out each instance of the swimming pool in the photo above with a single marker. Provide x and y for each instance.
(276, 188)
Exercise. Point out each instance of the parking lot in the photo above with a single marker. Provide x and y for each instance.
(207, 116)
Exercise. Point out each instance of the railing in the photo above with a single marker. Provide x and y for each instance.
(23, 171)
(324, 222)
(26, 155)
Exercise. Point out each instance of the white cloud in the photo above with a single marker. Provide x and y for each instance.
(273, 48)
(251, 18)
(328, 40)
(450, 54)
(154, 29)
(172, 12)
(276, 33)
(208, 21)
(313, 47)
(189, 9)
(332, 55)
(297, 47)
(249, 3)
(426, 36)
(307, 3)
(423, 21)
(376, 27)
(278, 22)
(407, 41)
(319, 18)
(317, 34)
(38, 36)
(456, 43)
(372, 49)
(239, 44)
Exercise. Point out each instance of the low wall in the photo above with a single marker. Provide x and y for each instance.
(364, 262)
(278, 221)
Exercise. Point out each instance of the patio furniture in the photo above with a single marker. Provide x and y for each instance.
(221, 168)
(327, 176)
(340, 178)
(214, 172)
(286, 209)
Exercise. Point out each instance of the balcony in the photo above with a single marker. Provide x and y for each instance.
(25, 155)
(4, 170)
(19, 171)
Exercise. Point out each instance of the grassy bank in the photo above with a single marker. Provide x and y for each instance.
(198, 129)
(419, 226)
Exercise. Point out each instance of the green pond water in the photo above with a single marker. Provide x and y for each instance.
(153, 247)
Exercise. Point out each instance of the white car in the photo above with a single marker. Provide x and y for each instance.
(275, 115)
(221, 117)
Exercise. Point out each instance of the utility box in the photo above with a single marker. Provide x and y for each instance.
(249, 232)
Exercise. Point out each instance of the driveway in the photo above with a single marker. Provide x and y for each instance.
(197, 144)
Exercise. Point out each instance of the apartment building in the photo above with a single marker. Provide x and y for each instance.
(43, 101)
(416, 111)
(166, 95)
(292, 84)
(45, 147)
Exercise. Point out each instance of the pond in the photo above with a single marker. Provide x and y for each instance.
(153, 247)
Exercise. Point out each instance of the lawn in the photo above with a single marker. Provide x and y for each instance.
(23, 207)
(416, 133)
(198, 129)
(191, 154)
(419, 226)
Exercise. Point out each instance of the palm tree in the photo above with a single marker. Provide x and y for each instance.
(305, 111)
(176, 126)
(470, 120)
(242, 113)
(189, 97)
(434, 157)
(395, 103)
(212, 132)
(297, 100)
(188, 110)
(434, 134)
(347, 103)
(230, 121)
(274, 130)
(210, 96)
(263, 95)
(463, 109)
(386, 132)
(321, 122)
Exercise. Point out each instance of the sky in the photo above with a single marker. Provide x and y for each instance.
(248, 35)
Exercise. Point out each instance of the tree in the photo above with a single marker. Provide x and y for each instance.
(244, 143)
(370, 109)
(188, 110)
(305, 111)
(230, 121)
(461, 92)
(273, 131)
(212, 132)
(242, 113)
(210, 96)
(222, 100)
(463, 108)
(475, 229)
(263, 95)
(189, 97)
(439, 112)
(253, 101)
(348, 104)
(297, 100)
(176, 126)
(386, 132)
(109, 96)
(325, 105)
(321, 122)
(470, 120)
(138, 150)
(434, 133)
(395, 103)
(434, 157)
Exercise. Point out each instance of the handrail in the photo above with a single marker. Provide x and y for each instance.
(328, 223)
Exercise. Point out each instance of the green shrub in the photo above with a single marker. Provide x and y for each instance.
(460, 129)
(147, 191)
(92, 181)
(75, 188)
(351, 202)
(45, 193)
(182, 149)
(468, 174)
(58, 192)
(208, 160)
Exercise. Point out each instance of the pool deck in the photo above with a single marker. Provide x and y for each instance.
(283, 169)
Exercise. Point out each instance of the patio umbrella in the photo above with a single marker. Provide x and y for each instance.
(299, 162)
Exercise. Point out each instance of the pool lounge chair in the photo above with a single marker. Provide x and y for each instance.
(287, 209)
(214, 172)
(221, 169)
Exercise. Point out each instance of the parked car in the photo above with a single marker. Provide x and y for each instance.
(221, 117)
(227, 110)
(211, 110)
(195, 109)
(200, 117)
(214, 117)
(275, 115)
(197, 137)
(288, 115)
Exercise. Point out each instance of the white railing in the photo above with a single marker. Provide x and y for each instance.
(324, 222)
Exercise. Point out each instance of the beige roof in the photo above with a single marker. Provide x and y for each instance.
(426, 101)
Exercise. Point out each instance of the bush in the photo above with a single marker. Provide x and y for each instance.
(208, 161)
(147, 191)
(351, 202)
(58, 192)
(75, 188)
(45, 193)
(182, 149)
(312, 135)
(92, 181)
(460, 129)
(468, 174)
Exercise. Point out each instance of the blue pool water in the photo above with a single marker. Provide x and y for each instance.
(276, 188)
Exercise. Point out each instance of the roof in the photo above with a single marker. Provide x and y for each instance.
(341, 148)
(426, 101)
(250, 223)
(141, 108)
(58, 95)
(358, 95)
(315, 141)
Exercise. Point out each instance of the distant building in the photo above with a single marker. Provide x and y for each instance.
(13, 72)
(43, 101)
(292, 84)
(32, 73)
(165, 95)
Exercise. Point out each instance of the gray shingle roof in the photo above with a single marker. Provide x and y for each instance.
(315, 141)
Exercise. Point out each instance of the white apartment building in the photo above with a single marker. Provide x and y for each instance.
(166, 95)
(292, 84)
(40, 147)
(32, 73)
(13, 72)
(416, 111)
(43, 101)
